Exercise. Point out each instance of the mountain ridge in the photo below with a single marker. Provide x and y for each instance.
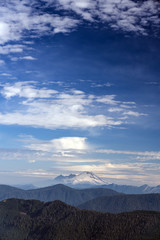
(123, 203)
(56, 192)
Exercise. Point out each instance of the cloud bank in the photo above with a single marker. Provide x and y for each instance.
(66, 155)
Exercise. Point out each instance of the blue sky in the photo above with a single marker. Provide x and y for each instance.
(79, 90)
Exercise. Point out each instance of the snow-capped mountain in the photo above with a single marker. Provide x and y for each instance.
(149, 189)
(84, 179)
(90, 180)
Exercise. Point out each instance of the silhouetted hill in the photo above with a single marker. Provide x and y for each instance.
(34, 220)
(124, 203)
(56, 192)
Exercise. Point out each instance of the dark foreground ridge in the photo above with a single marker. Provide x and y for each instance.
(35, 220)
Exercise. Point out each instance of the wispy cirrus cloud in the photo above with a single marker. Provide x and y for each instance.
(5, 74)
(19, 17)
(28, 58)
(125, 15)
(124, 109)
(22, 19)
(48, 108)
(150, 155)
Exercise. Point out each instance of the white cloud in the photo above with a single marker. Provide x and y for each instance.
(9, 48)
(28, 58)
(2, 62)
(123, 109)
(47, 108)
(129, 15)
(135, 114)
(38, 173)
(107, 99)
(55, 117)
(26, 90)
(140, 155)
(116, 109)
(63, 24)
(21, 16)
(95, 85)
(21, 155)
(18, 17)
(6, 74)
(126, 15)
(78, 145)
(61, 144)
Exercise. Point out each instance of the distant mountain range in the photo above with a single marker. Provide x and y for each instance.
(60, 192)
(25, 186)
(89, 179)
(30, 220)
(127, 189)
(99, 199)
(48, 219)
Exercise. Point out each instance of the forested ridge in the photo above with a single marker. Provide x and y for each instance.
(35, 220)
(123, 203)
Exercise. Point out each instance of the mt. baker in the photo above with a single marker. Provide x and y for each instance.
(82, 180)
(89, 179)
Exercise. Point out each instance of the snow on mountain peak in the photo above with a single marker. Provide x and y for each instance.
(79, 179)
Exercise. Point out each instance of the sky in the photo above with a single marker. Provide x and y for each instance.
(80, 90)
